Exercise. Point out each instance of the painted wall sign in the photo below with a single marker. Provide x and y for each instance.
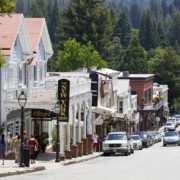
(41, 113)
(63, 97)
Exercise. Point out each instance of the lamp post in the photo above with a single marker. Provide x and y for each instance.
(22, 99)
(126, 122)
(114, 122)
(56, 109)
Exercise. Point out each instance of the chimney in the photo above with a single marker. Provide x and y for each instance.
(125, 73)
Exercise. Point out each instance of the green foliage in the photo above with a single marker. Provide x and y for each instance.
(122, 30)
(134, 58)
(166, 66)
(87, 21)
(148, 34)
(6, 6)
(2, 59)
(174, 30)
(76, 55)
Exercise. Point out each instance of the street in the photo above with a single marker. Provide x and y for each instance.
(156, 162)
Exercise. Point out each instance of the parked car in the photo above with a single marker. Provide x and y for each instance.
(137, 142)
(169, 126)
(159, 136)
(144, 137)
(173, 120)
(171, 137)
(117, 142)
(177, 116)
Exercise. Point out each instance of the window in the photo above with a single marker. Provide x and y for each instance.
(41, 73)
(121, 106)
(20, 74)
(35, 73)
(148, 94)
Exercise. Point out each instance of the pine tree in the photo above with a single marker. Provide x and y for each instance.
(88, 21)
(148, 32)
(123, 30)
(20, 6)
(134, 58)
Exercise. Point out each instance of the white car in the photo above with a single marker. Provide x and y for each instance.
(177, 117)
(117, 142)
(169, 126)
(171, 137)
(137, 142)
(173, 120)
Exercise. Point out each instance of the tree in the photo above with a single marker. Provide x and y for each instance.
(174, 30)
(87, 21)
(2, 59)
(135, 15)
(122, 30)
(134, 58)
(74, 55)
(165, 64)
(148, 34)
(20, 6)
(6, 6)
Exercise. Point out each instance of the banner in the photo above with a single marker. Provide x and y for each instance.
(63, 97)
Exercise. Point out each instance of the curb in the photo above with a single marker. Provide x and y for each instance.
(81, 160)
(34, 169)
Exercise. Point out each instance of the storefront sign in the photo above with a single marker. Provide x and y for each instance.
(63, 96)
(41, 113)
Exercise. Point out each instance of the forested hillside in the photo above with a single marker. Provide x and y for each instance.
(141, 36)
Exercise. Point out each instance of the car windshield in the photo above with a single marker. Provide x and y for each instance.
(141, 133)
(172, 133)
(116, 137)
(177, 116)
(135, 137)
(168, 124)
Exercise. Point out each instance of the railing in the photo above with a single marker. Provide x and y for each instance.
(49, 92)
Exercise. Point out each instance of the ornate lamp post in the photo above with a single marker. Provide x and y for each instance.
(22, 99)
(56, 110)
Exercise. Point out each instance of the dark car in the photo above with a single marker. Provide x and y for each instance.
(144, 137)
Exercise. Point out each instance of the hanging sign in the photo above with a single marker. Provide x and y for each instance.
(63, 97)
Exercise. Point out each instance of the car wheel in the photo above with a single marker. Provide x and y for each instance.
(126, 153)
(164, 144)
(106, 154)
(141, 148)
(132, 151)
(178, 144)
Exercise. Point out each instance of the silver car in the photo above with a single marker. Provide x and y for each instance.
(171, 137)
(117, 142)
(137, 142)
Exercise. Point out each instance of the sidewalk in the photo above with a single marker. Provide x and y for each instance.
(44, 161)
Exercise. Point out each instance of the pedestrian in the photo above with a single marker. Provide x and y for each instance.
(2, 148)
(12, 145)
(95, 142)
(9, 142)
(25, 138)
(33, 143)
(17, 146)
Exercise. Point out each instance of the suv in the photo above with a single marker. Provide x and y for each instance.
(146, 141)
(117, 142)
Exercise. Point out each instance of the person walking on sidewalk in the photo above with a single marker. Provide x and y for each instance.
(33, 148)
(17, 147)
(95, 142)
(12, 145)
(2, 148)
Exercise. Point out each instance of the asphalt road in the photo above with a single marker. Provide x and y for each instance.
(154, 163)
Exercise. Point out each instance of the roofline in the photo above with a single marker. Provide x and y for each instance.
(137, 78)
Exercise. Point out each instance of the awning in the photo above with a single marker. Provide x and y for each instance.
(103, 110)
(99, 120)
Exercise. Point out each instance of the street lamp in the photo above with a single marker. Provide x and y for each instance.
(114, 122)
(22, 99)
(126, 121)
(56, 110)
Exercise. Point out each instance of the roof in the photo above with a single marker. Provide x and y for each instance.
(34, 29)
(9, 25)
(137, 76)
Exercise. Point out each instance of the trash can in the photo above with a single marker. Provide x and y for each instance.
(26, 155)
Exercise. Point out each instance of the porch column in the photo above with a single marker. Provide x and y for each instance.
(79, 124)
(74, 147)
(85, 140)
(68, 152)
(89, 132)
(79, 143)
(61, 134)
